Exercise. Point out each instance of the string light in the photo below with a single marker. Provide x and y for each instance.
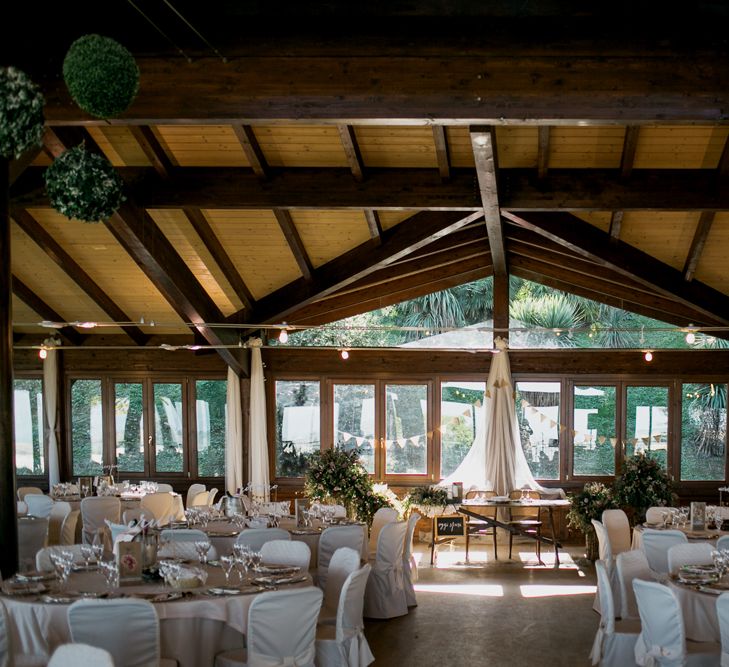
(691, 336)
(43, 353)
(344, 354)
(283, 337)
(648, 356)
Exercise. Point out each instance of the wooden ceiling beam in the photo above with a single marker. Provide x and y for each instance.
(252, 149)
(154, 150)
(33, 301)
(706, 219)
(145, 243)
(441, 152)
(543, 150)
(17, 166)
(373, 224)
(630, 143)
(469, 235)
(220, 256)
(53, 249)
(291, 234)
(616, 222)
(352, 152)
(483, 142)
(723, 166)
(591, 242)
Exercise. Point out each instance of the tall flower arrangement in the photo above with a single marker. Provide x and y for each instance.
(587, 505)
(643, 483)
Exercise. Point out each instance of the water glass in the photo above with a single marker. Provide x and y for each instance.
(111, 574)
(202, 547)
(227, 563)
(87, 552)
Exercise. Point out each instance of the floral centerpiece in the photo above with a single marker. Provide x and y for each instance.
(21, 113)
(643, 483)
(587, 505)
(430, 499)
(337, 475)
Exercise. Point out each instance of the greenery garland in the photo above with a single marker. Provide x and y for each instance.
(101, 75)
(21, 113)
(83, 185)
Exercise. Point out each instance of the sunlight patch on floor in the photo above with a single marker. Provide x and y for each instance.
(477, 590)
(549, 590)
(531, 562)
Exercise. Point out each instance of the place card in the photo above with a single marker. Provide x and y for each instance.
(129, 559)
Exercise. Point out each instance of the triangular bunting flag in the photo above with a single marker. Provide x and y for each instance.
(552, 423)
(613, 441)
(602, 439)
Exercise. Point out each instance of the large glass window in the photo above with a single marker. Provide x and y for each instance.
(646, 422)
(354, 420)
(462, 422)
(28, 426)
(210, 413)
(537, 409)
(168, 427)
(593, 430)
(406, 429)
(129, 426)
(703, 431)
(87, 429)
(297, 425)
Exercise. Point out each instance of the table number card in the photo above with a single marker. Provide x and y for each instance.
(698, 516)
(129, 559)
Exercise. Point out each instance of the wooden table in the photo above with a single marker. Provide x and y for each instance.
(468, 507)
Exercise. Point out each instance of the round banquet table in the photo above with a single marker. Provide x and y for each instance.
(699, 612)
(694, 536)
(192, 629)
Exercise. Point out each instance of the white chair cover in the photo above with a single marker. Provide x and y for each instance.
(663, 639)
(211, 496)
(409, 566)
(385, 594)
(631, 565)
(128, 629)
(32, 533)
(192, 492)
(287, 552)
(276, 507)
(268, 645)
(656, 544)
(39, 505)
(164, 488)
(6, 645)
(655, 514)
(116, 529)
(255, 538)
(383, 516)
(182, 544)
(68, 528)
(22, 508)
(95, 510)
(25, 490)
(59, 512)
(348, 645)
(606, 556)
(344, 561)
(160, 504)
(137, 515)
(334, 538)
(198, 500)
(722, 543)
(43, 557)
(75, 655)
(618, 529)
(614, 642)
(689, 554)
(722, 611)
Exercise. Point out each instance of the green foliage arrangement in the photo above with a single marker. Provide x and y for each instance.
(643, 483)
(101, 75)
(589, 504)
(84, 186)
(21, 113)
(433, 496)
(336, 475)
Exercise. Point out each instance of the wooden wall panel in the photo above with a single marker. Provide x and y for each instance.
(712, 267)
(666, 235)
(255, 243)
(397, 146)
(328, 234)
(680, 147)
(592, 147)
(120, 146)
(599, 219)
(202, 145)
(176, 226)
(301, 145)
(516, 146)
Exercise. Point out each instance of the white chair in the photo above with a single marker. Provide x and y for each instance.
(409, 566)
(618, 529)
(43, 557)
(73, 655)
(25, 490)
(95, 510)
(164, 488)
(6, 641)
(606, 556)
(211, 496)
(69, 526)
(631, 565)
(615, 640)
(689, 554)
(296, 610)
(199, 499)
(255, 538)
(32, 533)
(127, 629)
(656, 544)
(722, 611)
(180, 543)
(344, 644)
(59, 512)
(39, 505)
(116, 529)
(344, 561)
(722, 543)
(160, 505)
(287, 552)
(334, 538)
(385, 595)
(137, 514)
(654, 515)
(383, 516)
(22, 508)
(192, 492)
(662, 639)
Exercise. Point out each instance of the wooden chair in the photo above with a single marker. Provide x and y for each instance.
(527, 519)
(478, 528)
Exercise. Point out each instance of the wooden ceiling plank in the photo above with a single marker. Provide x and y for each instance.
(207, 235)
(253, 151)
(54, 250)
(591, 242)
(143, 240)
(483, 141)
(31, 299)
(351, 150)
(291, 234)
(630, 143)
(723, 167)
(543, 151)
(706, 219)
(19, 165)
(441, 151)
(373, 223)
(616, 222)
(154, 150)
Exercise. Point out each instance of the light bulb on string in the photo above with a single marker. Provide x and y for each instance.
(344, 354)
(648, 356)
(43, 353)
(690, 336)
(283, 337)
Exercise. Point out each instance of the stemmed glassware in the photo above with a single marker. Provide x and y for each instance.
(62, 562)
(87, 552)
(110, 570)
(202, 547)
(97, 546)
(227, 563)
(242, 555)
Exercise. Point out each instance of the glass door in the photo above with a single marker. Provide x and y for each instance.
(353, 414)
(407, 433)
(169, 427)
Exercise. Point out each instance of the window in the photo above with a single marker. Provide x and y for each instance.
(646, 422)
(28, 427)
(406, 429)
(593, 430)
(129, 426)
(211, 419)
(703, 431)
(461, 420)
(297, 425)
(537, 409)
(354, 420)
(168, 427)
(87, 429)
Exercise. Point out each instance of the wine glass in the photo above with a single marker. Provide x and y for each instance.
(97, 545)
(202, 547)
(87, 553)
(111, 574)
(227, 563)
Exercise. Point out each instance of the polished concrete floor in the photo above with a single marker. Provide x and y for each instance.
(492, 612)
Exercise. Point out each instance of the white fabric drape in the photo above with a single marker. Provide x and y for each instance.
(50, 402)
(258, 455)
(233, 435)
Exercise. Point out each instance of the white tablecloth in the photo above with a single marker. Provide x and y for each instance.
(699, 613)
(708, 536)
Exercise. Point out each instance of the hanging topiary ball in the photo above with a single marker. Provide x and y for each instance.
(83, 185)
(101, 75)
(21, 113)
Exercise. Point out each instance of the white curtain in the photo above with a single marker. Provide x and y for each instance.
(258, 454)
(233, 435)
(50, 396)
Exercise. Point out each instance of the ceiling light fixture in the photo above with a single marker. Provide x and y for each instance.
(283, 337)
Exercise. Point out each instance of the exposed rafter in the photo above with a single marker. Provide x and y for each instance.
(697, 244)
(351, 150)
(616, 222)
(441, 152)
(154, 150)
(373, 223)
(630, 144)
(253, 151)
(543, 151)
(291, 234)
(19, 165)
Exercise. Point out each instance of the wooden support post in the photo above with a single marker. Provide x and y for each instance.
(8, 523)
(501, 305)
